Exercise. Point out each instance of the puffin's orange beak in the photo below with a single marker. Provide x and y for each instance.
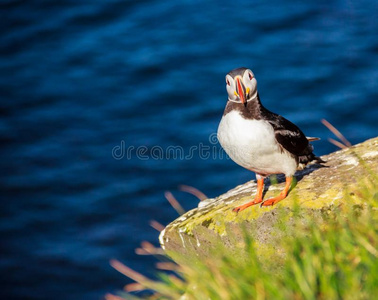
(240, 92)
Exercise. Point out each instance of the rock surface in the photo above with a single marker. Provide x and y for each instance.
(214, 222)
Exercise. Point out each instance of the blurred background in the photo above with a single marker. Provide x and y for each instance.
(78, 79)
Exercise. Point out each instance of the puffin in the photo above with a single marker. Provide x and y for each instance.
(260, 140)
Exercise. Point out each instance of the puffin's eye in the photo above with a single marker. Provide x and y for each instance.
(228, 82)
(250, 76)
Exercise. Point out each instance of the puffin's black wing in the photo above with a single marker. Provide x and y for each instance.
(289, 136)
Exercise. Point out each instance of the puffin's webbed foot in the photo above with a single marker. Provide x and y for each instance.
(281, 196)
(258, 197)
(248, 204)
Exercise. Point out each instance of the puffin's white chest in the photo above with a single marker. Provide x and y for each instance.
(252, 144)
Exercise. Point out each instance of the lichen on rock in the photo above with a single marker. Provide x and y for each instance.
(200, 230)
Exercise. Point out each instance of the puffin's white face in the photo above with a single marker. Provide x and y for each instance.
(241, 85)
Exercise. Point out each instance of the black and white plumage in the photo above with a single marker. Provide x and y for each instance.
(258, 139)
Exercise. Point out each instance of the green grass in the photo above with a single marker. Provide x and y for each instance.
(332, 256)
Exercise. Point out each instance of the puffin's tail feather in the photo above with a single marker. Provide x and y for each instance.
(306, 159)
(319, 160)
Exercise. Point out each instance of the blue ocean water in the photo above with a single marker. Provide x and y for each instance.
(85, 85)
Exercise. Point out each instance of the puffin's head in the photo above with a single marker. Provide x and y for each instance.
(241, 85)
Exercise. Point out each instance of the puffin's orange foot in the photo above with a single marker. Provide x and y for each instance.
(248, 204)
(281, 196)
(272, 201)
(258, 196)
